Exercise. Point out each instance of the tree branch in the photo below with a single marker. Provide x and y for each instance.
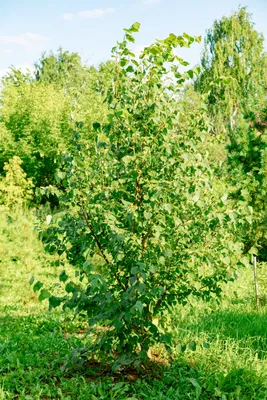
(99, 245)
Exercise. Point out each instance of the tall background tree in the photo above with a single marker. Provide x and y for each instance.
(234, 68)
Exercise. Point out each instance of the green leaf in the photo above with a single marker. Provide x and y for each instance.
(168, 253)
(118, 324)
(130, 38)
(162, 260)
(130, 69)
(123, 62)
(139, 306)
(147, 215)
(153, 269)
(31, 280)
(135, 27)
(190, 73)
(224, 198)
(96, 126)
(168, 207)
(63, 277)
(38, 285)
(48, 219)
(54, 302)
(70, 287)
(61, 175)
(192, 346)
(194, 382)
(181, 348)
(44, 294)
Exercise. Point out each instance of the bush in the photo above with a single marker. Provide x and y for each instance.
(15, 188)
(143, 203)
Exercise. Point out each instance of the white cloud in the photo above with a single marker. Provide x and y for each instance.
(25, 40)
(152, 1)
(99, 12)
(35, 37)
(88, 14)
(68, 16)
(7, 51)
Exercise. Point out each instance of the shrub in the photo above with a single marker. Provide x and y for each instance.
(143, 203)
(15, 188)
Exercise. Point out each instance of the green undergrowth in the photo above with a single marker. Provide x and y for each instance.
(220, 350)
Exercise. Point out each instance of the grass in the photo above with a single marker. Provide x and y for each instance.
(225, 357)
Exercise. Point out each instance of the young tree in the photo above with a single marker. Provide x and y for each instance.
(143, 203)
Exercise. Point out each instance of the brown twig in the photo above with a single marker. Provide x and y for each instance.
(159, 302)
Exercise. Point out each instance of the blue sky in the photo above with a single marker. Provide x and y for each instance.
(92, 27)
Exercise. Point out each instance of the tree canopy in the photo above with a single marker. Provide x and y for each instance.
(234, 67)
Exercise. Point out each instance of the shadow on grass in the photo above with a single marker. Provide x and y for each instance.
(34, 348)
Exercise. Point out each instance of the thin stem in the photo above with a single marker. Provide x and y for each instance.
(99, 245)
(159, 302)
(255, 279)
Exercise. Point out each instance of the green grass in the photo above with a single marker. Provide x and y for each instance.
(229, 340)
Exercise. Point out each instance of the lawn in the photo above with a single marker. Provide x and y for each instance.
(220, 350)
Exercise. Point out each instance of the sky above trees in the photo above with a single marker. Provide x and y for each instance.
(92, 27)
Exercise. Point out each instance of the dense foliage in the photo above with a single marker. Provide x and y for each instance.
(156, 177)
(15, 188)
(37, 112)
(144, 204)
(234, 80)
(234, 68)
